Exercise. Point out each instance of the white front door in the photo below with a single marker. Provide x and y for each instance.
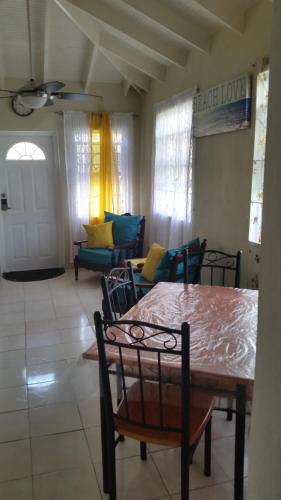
(27, 182)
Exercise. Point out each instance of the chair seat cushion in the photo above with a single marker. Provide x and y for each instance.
(98, 255)
(201, 405)
(163, 269)
(125, 227)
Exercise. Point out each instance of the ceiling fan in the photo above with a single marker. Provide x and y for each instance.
(35, 95)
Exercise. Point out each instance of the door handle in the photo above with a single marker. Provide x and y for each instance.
(4, 202)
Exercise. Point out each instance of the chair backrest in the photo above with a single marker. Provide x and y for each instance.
(178, 268)
(218, 268)
(119, 292)
(140, 237)
(134, 343)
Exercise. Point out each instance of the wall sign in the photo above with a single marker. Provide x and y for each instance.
(223, 108)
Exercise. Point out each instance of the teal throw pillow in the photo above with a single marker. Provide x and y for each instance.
(163, 269)
(125, 227)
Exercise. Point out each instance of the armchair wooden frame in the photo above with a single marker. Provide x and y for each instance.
(135, 247)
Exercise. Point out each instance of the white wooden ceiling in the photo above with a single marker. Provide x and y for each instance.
(130, 42)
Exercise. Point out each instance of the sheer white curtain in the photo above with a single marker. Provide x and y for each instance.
(171, 222)
(122, 128)
(77, 160)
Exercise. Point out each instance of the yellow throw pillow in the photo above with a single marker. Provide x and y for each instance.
(153, 258)
(99, 235)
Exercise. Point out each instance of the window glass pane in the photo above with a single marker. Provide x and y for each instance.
(25, 151)
(259, 156)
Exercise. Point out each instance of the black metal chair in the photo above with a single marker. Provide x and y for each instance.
(154, 408)
(119, 292)
(218, 268)
(223, 269)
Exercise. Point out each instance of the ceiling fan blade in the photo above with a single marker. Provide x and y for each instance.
(11, 91)
(74, 96)
(49, 87)
(6, 97)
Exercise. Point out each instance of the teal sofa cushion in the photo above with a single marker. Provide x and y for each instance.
(162, 271)
(125, 227)
(98, 255)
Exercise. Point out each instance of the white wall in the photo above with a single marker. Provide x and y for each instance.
(46, 119)
(265, 443)
(223, 163)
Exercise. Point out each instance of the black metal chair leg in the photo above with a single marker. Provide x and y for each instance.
(185, 473)
(104, 447)
(240, 442)
(119, 393)
(111, 466)
(229, 411)
(208, 443)
(143, 450)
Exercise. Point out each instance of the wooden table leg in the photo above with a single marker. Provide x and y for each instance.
(239, 442)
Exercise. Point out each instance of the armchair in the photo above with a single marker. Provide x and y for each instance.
(104, 259)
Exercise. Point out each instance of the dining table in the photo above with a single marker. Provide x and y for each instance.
(223, 332)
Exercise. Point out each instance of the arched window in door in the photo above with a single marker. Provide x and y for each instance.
(25, 151)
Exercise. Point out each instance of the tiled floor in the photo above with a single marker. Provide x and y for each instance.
(49, 407)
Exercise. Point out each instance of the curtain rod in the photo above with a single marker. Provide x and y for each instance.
(60, 113)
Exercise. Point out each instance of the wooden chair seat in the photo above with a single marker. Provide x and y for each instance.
(201, 405)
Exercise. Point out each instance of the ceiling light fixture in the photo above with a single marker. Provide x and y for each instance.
(33, 101)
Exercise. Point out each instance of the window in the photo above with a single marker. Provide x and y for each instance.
(122, 129)
(25, 151)
(259, 157)
(172, 183)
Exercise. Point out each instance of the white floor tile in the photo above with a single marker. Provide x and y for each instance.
(136, 479)
(71, 484)
(45, 354)
(11, 307)
(168, 464)
(18, 329)
(12, 377)
(14, 426)
(54, 419)
(11, 318)
(75, 349)
(12, 359)
(125, 449)
(222, 491)
(20, 489)
(41, 326)
(77, 334)
(224, 452)
(47, 372)
(78, 320)
(42, 339)
(90, 412)
(12, 399)
(49, 393)
(59, 451)
(12, 343)
(68, 310)
(15, 460)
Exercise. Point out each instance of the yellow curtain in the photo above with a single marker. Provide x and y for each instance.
(104, 181)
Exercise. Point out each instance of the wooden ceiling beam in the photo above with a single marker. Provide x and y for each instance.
(131, 75)
(227, 12)
(134, 30)
(47, 23)
(183, 28)
(112, 43)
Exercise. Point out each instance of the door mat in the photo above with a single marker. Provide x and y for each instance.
(34, 275)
